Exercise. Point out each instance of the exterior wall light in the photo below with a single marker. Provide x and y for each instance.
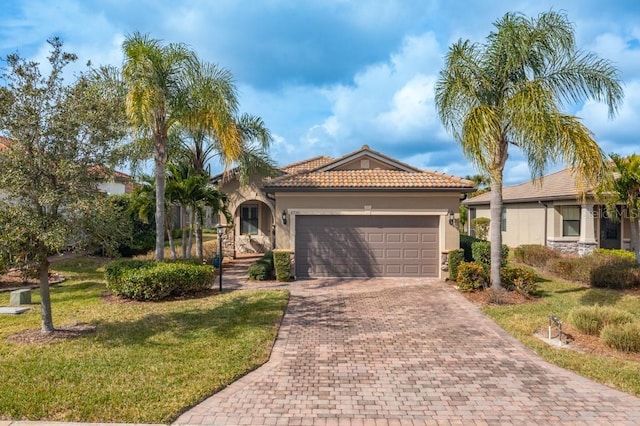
(452, 217)
(284, 217)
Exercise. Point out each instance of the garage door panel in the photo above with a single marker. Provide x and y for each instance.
(411, 237)
(410, 254)
(427, 237)
(365, 246)
(393, 254)
(394, 237)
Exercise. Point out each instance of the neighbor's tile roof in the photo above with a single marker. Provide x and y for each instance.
(369, 179)
(4, 142)
(558, 185)
(306, 165)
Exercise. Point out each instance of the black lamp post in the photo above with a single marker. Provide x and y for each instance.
(220, 231)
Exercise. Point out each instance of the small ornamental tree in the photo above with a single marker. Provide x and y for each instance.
(58, 140)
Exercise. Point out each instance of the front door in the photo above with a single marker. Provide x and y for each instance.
(609, 230)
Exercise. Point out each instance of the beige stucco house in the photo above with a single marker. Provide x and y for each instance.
(557, 213)
(363, 214)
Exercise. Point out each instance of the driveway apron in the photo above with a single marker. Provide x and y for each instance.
(404, 351)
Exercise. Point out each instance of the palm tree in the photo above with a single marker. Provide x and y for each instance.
(198, 149)
(143, 202)
(510, 90)
(625, 188)
(167, 86)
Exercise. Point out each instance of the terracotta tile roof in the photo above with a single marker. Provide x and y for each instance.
(370, 179)
(558, 185)
(306, 165)
(4, 142)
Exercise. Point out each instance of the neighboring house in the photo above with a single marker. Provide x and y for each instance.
(554, 212)
(119, 183)
(363, 214)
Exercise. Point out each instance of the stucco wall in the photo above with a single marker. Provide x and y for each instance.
(525, 223)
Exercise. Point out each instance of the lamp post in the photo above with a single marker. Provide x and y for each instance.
(220, 231)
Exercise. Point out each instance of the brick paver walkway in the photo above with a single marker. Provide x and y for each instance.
(393, 351)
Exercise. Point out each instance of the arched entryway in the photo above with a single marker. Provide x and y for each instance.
(253, 231)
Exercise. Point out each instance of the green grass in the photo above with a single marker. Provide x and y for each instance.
(558, 298)
(146, 362)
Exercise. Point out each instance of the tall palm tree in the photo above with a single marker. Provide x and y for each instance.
(509, 91)
(625, 188)
(166, 86)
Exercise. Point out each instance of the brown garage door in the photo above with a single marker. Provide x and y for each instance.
(366, 246)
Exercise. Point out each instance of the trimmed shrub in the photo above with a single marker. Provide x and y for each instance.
(623, 254)
(481, 252)
(150, 280)
(258, 272)
(592, 319)
(522, 280)
(455, 258)
(481, 227)
(535, 255)
(581, 268)
(282, 262)
(615, 276)
(567, 267)
(263, 269)
(465, 244)
(471, 276)
(624, 337)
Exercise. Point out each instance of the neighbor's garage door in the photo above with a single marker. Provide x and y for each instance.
(366, 246)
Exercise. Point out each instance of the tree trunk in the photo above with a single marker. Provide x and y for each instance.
(635, 237)
(495, 232)
(45, 298)
(199, 250)
(172, 245)
(160, 158)
(191, 230)
(183, 216)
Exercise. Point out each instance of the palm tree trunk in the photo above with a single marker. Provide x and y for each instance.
(199, 250)
(191, 229)
(172, 245)
(160, 157)
(45, 298)
(183, 217)
(495, 232)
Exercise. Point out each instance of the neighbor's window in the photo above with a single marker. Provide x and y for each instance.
(570, 221)
(249, 220)
(503, 220)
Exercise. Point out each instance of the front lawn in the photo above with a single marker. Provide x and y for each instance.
(144, 363)
(593, 360)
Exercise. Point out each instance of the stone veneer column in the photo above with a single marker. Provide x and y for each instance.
(587, 242)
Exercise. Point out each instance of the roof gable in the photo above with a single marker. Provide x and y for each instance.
(366, 169)
(558, 185)
(363, 159)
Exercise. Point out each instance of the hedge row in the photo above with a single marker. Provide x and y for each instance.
(150, 280)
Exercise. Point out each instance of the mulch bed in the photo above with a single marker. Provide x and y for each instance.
(13, 280)
(62, 333)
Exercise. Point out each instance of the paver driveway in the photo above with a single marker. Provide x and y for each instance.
(390, 351)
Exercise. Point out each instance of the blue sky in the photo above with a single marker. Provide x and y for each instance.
(328, 76)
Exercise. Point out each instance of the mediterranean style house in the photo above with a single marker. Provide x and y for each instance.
(555, 212)
(361, 215)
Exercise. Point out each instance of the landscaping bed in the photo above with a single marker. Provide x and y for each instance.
(117, 360)
(587, 346)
